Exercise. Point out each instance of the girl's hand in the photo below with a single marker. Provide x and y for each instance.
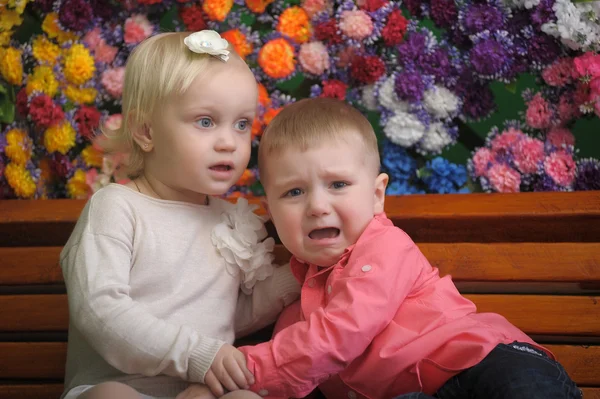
(228, 370)
(196, 391)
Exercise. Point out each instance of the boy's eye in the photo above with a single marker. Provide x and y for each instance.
(339, 184)
(205, 122)
(242, 125)
(294, 192)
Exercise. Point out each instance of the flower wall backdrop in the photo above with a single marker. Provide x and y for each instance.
(433, 76)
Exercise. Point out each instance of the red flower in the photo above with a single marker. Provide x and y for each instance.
(44, 112)
(88, 119)
(192, 17)
(395, 29)
(21, 102)
(334, 89)
(367, 69)
(328, 32)
(373, 5)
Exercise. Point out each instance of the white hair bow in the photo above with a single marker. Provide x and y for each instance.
(208, 42)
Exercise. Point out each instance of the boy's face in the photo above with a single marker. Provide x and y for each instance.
(322, 199)
(202, 139)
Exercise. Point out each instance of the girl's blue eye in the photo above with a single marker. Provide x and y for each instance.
(294, 192)
(339, 184)
(205, 122)
(242, 125)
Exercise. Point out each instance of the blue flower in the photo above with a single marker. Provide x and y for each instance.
(397, 162)
(402, 187)
(443, 177)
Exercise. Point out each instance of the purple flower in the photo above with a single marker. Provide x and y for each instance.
(413, 48)
(443, 12)
(489, 57)
(588, 175)
(480, 17)
(543, 49)
(478, 100)
(409, 86)
(543, 13)
(44, 5)
(437, 64)
(414, 7)
(518, 21)
(75, 14)
(545, 183)
(105, 9)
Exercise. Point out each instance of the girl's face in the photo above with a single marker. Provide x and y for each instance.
(201, 140)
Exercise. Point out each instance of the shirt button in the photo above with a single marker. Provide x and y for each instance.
(263, 392)
(311, 282)
(329, 289)
(366, 268)
(351, 395)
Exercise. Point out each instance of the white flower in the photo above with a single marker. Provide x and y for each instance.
(388, 97)
(528, 4)
(577, 25)
(368, 97)
(435, 139)
(240, 239)
(404, 129)
(441, 102)
(208, 42)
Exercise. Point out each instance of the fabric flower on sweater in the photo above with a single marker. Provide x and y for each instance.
(240, 240)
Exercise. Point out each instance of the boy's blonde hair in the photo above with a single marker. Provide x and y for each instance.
(159, 67)
(312, 121)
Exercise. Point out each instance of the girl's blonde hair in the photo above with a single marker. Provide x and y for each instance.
(311, 122)
(159, 67)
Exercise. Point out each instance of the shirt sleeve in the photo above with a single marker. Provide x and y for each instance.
(269, 297)
(364, 298)
(96, 265)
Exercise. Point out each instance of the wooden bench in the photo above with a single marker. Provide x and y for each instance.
(533, 257)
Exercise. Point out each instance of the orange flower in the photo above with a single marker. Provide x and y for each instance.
(246, 179)
(263, 96)
(270, 114)
(258, 6)
(239, 42)
(295, 24)
(217, 10)
(276, 58)
(257, 128)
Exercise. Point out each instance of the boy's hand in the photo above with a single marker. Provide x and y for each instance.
(228, 370)
(196, 391)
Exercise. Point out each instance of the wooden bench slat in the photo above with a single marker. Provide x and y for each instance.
(551, 262)
(555, 315)
(545, 217)
(46, 360)
(31, 391)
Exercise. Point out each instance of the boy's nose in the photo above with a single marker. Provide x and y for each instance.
(225, 142)
(318, 205)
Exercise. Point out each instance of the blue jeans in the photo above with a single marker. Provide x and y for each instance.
(515, 371)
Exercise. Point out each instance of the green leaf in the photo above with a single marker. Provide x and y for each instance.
(511, 87)
(7, 104)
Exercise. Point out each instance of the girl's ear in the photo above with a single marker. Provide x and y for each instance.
(381, 182)
(142, 135)
(265, 204)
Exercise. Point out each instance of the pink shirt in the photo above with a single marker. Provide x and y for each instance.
(379, 323)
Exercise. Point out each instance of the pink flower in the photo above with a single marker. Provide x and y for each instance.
(314, 57)
(507, 139)
(504, 179)
(481, 161)
(105, 52)
(93, 38)
(114, 121)
(567, 110)
(528, 154)
(313, 7)
(112, 80)
(595, 87)
(559, 73)
(345, 56)
(560, 137)
(587, 65)
(356, 24)
(538, 113)
(137, 28)
(560, 166)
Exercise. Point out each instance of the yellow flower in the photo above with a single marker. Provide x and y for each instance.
(44, 50)
(79, 64)
(81, 95)
(295, 24)
(42, 80)
(60, 137)
(18, 146)
(20, 180)
(9, 19)
(276, 58)
(5, 38)
(18, 5)
(77, 186)
(92, 157)
(217, 10)
(52, 29)
(11, 66)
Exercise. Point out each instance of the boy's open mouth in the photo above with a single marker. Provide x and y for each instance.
(321, 234)
(221, 168)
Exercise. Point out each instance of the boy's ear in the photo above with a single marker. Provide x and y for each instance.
(380, 184)
(265, 203)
